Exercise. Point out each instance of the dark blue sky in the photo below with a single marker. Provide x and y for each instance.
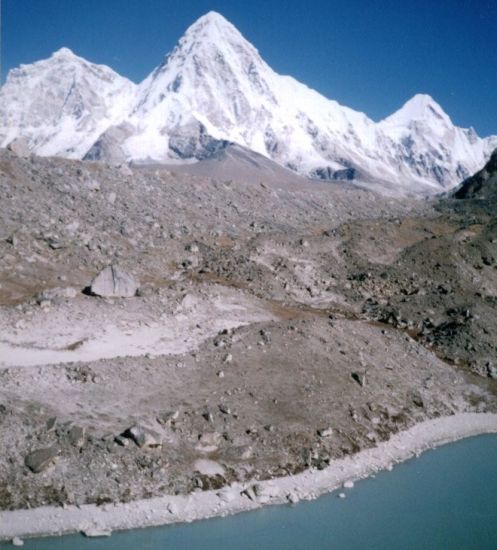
(371, 55)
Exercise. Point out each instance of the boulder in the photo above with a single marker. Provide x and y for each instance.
(360, 378)
(13, 240)
(20, 147)
(491, 371)
(121, 440)
(51, 423)
(249, 493)
(226, 495)
(209, 442)
(224, 409)
(57, 294)
(142, 437)
(325, 432)
(76, 436)
(266, 491)
(293, 498)
(167, 418)
(94, 531)
(114, 282)
(39, 460)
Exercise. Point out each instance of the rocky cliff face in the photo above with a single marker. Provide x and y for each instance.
(481, 185)
(214, 89)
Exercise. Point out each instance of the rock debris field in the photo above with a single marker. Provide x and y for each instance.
(164, 333)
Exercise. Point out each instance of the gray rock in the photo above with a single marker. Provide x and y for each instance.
(266, 336)
(292, 498)
(51, 423)
(249, 492)
(96, 532)
(207, 415)
(226, 495)
(146, 291)
(20, 147)
(265, 491)
(417, 399)
(121, 440)
(39, 460)
(211, 439)
(197, 482)
(224, 409)
(360, 378)
(167, 418)
(192, 247)
(56, 245)
(57, 293)
(13, 240)
(76, 436)
(491, 371)
(325, 432)
(114, 282)
(142, 437)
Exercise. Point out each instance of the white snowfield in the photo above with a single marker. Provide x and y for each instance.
(215, 87)
(100, 520)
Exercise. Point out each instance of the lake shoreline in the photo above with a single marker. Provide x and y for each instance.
(239, 497)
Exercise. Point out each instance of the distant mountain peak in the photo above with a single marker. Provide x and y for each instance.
(212, 19)
(64, 53)
(212, 30)
(421, 107)
(212, 26)
(212, 64)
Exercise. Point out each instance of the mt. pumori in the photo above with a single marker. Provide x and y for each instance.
(215, 89)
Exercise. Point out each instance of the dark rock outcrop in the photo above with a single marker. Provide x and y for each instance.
(481, 185)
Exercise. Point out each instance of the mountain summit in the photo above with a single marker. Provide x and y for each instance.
(419, 107)
(213, 89)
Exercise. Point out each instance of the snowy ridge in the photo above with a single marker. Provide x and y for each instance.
(62, 104)
(214, 89)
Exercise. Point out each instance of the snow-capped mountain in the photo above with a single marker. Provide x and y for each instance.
(61, 105)
(422, 141)
(215, 89)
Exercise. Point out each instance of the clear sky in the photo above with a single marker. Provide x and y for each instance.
(371, 55)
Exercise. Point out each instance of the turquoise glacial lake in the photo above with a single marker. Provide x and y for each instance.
(445, 499)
